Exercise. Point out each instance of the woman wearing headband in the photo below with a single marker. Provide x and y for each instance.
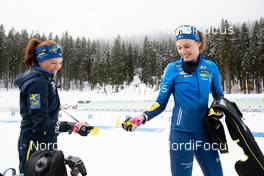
(40, 102)
(190, 79)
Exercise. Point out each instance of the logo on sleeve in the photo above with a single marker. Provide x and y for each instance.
(155, 106)
(34, 100)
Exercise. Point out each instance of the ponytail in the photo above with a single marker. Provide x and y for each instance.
(203, 41)
(29, 55)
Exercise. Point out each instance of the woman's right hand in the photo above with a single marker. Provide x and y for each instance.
(132, 123)
(82, 128)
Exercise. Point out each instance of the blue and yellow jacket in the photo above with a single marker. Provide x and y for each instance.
(39, 105)
(190, 93)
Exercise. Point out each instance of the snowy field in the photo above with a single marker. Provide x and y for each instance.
(113, 151)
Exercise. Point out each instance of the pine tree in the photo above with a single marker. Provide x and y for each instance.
(137, 60)
(246, 60)
(98, 71)
(117, 64)
(77, 63)
(148, 63)
(237, 54)
(256, 52)
(12, 57)
(225, 54)
(68, 53)
(213, 45)
(22, 46)
(83, 73)
(3, 54)
(256, 55)
(129, 66)
(106, 57)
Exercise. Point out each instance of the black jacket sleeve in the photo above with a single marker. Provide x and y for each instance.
(64, 126)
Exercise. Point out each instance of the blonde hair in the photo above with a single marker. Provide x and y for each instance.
(29, 55)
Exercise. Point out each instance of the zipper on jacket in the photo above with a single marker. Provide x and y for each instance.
(198, 83)
(197, 74)
(179, 117)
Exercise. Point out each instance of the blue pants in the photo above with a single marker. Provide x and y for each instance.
(23, 147)
(184, 146)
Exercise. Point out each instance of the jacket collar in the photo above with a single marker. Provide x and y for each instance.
(200, 59)
(45, 73)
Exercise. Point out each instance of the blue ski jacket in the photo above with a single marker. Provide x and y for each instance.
(190, 93)
(39, 105)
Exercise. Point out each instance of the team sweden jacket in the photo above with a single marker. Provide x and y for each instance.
(39, 104)
(190, 93)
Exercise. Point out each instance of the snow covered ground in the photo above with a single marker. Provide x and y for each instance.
(113, 151)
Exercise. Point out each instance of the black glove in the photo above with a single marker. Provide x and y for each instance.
(216, 129)
(82, 128)
(216, 114)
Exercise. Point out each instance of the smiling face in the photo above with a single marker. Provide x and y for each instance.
(51, 65)
(188, 49)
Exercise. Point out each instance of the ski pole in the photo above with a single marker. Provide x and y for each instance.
(71, 116)
(94, 131)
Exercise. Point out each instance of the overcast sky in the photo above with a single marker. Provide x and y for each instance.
(108, 18)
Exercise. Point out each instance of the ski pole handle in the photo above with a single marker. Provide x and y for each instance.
(93, 132)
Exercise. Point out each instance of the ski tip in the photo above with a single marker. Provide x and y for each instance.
(95, 131)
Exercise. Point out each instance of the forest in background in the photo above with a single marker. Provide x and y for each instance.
(238, 50)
